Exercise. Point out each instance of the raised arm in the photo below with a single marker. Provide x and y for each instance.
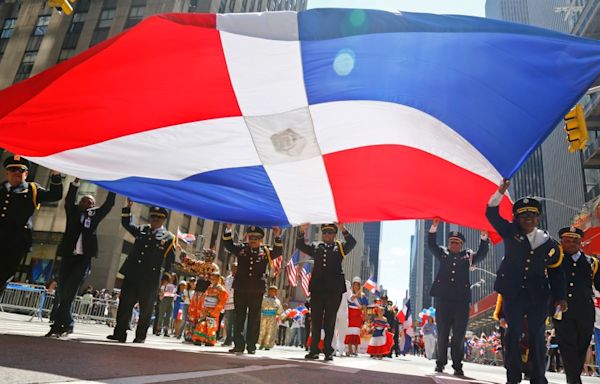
(484, 247)
(301, 245)
(432, 245)
(54, 193)
(349, 240)
(127, 220)
(492, 212)
(71, 194)
(228, 240)
(277, 243)
(106, 206)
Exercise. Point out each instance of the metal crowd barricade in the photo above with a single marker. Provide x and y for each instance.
(24, 298)
(35, 301)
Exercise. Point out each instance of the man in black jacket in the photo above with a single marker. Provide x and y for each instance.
(153, 253)
(18, 201)
(327, 283)
(574, 330)
(452, 289)
(529, 279)
(253, 258)
(76, 249)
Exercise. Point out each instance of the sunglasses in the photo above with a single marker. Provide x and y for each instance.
(156, 217)
(252, 237)
(16, 169)
(328, 232)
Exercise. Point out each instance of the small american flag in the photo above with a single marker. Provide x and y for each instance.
(277, 265)
(305, 278)
(292, 272)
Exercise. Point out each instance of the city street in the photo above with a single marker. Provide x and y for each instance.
(86, 357)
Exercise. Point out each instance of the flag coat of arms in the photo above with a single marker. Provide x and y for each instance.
(324, 115)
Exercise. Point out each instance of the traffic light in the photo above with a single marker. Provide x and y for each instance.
(62, 6)
(577, 133)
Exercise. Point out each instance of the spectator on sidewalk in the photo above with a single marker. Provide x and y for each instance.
(229, 317)
(167, 295)
(430, 335)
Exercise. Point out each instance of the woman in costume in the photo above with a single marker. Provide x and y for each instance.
(357, 304)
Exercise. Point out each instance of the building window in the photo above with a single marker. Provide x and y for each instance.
(26, 65)
(252, 4)
(42, 25)
(231, 5)
(136, 14)
(185, 224)
(222, 6)
(244, 6)
(8, 28)
(259, 6)
(103, 27)
(66, 54)
(74, 31)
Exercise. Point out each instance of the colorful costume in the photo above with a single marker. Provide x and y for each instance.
(382, 341)
(204, 311)
(270, 310)
(355, 319)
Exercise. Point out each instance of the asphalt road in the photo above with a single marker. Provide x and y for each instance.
(86, 357)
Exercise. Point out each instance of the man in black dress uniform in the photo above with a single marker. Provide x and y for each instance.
(452, 289)
(76, 249)
(18, 201)
(576, 327)
(153, 253)
(327, 283)
(529, 278)
(253, 258)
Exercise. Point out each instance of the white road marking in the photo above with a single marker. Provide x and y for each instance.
(161, 378)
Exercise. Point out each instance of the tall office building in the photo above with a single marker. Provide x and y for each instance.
(372, 240)
(33, 38)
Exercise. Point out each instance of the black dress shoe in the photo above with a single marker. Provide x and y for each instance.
(120, 339)
(312, 356)
(458, 372)
(52, 333)
(252, 351)
(236, 350)
(439, 369)
(328, 357)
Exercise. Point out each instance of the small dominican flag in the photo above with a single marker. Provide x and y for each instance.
(370, 285)
(302, 309)
(187, 238)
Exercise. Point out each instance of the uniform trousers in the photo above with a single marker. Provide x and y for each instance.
(12, 252)
(247, 306)
(574, 333)
(73, 271)
(136, 290)
(515, 310)
(451, 316)
(324, 307)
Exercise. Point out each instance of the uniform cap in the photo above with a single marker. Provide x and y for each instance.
(527, 204)
(274, 287)
(17, 161)
(255, 231)
(330, 226)
(570, 232)
(159, 212)
(455, 235)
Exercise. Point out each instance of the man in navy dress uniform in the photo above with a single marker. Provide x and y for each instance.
(452, 289)
(530, 279)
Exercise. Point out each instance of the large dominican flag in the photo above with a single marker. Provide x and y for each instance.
(319, 116)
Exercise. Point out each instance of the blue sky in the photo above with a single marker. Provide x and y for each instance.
(394, 251)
